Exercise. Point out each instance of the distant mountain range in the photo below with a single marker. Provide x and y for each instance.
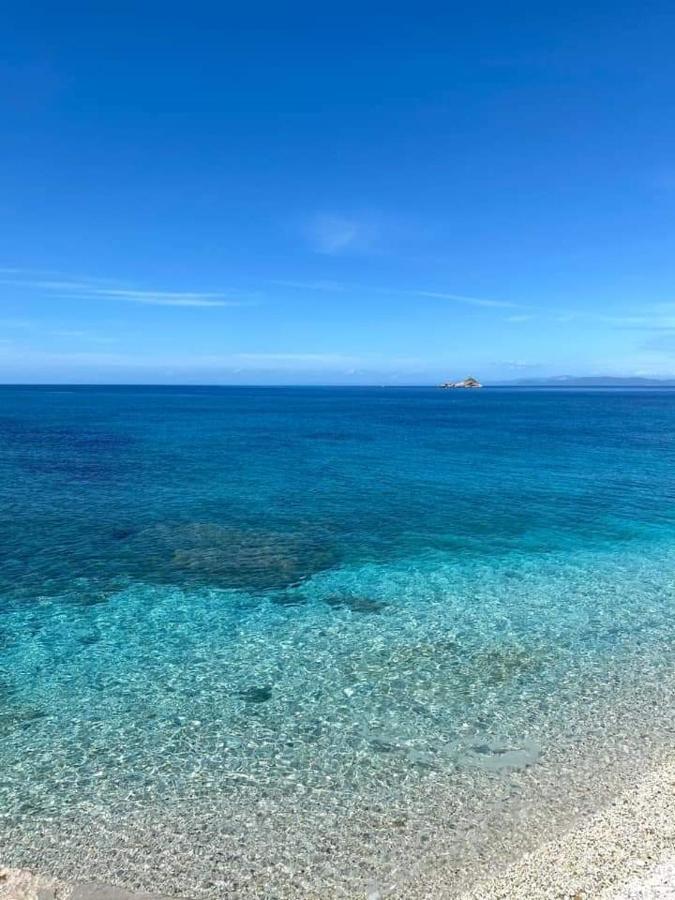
(592, 381)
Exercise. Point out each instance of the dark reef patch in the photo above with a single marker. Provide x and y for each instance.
(356, 604)
(256, 694)
(13, 713)
(229, 556)
(71, 454)
(122, 533)
(18, 717)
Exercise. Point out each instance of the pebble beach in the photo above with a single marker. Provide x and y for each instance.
(625, 851)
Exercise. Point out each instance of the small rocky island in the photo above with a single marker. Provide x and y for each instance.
(469, 382)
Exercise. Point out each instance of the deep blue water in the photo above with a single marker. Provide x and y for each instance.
(112, 484)
(206, 584)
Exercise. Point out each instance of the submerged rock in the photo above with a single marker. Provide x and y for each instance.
(251, 559)
(500, 663)
(259, 694)
(18, 717)
(122, 533)
(382, 745)
(494, 755)
(356, 604)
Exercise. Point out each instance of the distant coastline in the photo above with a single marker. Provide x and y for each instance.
(588, 381)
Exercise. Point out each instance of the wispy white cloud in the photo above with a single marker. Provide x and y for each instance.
(21, 356)
(470, 301)
(320, 285)
(233, 362)
(649, 322)
(15, 323)
(331, 235)
(311, 358)
(317, 361)
(519, 319)
(335, 286)
(170, 298)
(95, 289)
(78, 334)
(520, 365)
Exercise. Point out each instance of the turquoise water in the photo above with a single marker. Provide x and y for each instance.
(235, 624)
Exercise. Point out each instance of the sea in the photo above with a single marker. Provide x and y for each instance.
(326, 642)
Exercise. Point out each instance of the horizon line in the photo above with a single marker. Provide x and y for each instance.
(597, 382)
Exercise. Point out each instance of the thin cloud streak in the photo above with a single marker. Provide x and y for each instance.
(94, 290)
(335, 286)
(332, 286)
(253, 361)
(78, 334)
(639, 322)
(470, 301)
(658, 317)
(169, 298)
(322, 358)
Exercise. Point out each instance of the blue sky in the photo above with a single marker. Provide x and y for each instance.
(363, 193)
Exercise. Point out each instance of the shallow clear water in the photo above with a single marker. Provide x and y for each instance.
(257, 618)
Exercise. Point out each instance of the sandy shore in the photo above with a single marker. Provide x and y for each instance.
(20, 884)
(626, 851)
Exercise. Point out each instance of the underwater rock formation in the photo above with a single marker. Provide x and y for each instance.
(356, 604)
(230, 556)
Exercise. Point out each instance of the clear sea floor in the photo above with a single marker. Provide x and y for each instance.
(326, 642)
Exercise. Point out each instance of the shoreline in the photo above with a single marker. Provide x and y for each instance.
(623, 851)
(442, 835)
(401, 827)
(424, 845)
